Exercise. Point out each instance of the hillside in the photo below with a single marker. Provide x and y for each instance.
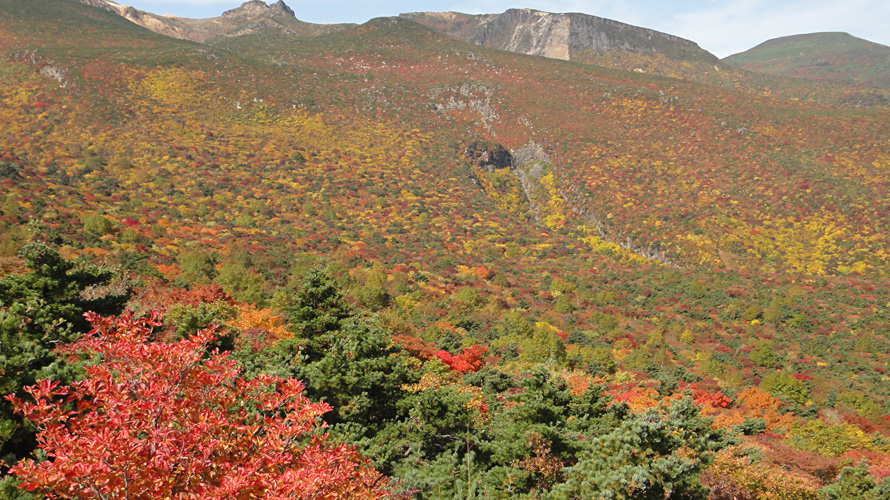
(252, 16)
(577, 37)
(490, 265)
(833, 57)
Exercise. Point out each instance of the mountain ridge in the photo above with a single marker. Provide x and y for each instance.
(251, 16)
(557, 35)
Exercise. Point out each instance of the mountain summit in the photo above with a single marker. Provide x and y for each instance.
(560, 36)
(831, 56)
(251, 17)
(255, 8)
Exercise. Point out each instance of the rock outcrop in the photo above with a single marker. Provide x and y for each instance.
(488, 156)
(251, 17)
(559, 36)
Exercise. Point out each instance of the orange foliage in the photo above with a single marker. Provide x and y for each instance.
(206, 294)
(638, 398)
(483, 273)
(735, 475)
(250, 318)
(754, 403)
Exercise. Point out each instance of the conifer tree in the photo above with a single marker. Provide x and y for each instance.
(40, 310)
(318, 310)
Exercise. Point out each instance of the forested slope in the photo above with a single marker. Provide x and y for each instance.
(490, 265)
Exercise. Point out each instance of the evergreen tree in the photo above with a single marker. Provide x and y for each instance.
(317, 311)
(855, 483)
(345, 361)
(651, 456)
(38, 311)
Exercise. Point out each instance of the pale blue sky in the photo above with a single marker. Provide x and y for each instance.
(722, 27)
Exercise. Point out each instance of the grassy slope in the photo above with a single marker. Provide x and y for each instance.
(836, 57)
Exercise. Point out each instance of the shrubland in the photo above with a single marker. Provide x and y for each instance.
(680, 288)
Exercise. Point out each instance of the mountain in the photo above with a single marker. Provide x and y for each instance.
(833, 57)
(559, 36)
(576, 37)
(595, 242)
(603, 42)
(252, 16)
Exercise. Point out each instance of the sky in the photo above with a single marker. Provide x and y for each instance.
(723, 27)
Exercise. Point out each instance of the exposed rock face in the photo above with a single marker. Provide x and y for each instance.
(527, 32)
(488, 156)
(528, 166)
(531, 153)
(282, 8)
(256, 8)
(250, 17)
(559, 36)
(102, 4)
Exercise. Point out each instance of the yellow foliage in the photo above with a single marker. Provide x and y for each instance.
(764, 481)
(249, 317)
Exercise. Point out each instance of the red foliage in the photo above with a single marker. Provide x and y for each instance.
(879, 463)
(858, 420)
(713, 399)
(468, 361)
(415, 346)
(633, 343)
(778, 452)
(161, 420)
(206, 294)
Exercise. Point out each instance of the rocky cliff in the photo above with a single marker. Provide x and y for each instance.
(559, 36)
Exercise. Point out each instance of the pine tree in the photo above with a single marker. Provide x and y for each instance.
(40, 310)
(318, 310)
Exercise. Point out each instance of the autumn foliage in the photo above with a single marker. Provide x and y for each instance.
(652, 240)
(162, 420)
(468, 361)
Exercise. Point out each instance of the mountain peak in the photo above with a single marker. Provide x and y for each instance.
(253, 8)
(282, 8)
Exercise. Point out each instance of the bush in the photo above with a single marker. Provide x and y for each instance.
(785, 386)
(98, 225)
(158, 420)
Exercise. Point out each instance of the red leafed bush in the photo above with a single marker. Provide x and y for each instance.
(715, 399)
(162, 420)
(415, 346)
(468, 361)
(206, 294)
